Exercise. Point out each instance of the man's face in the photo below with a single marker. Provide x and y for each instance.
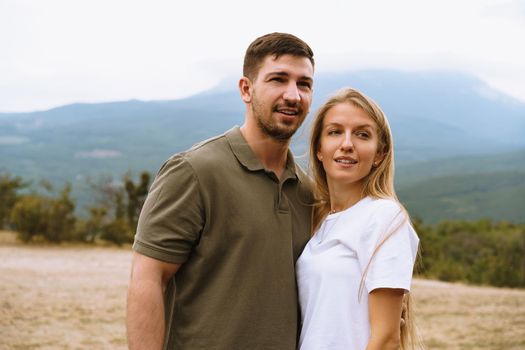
(281, 95)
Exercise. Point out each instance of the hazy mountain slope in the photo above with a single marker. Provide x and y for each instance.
(498, 196)
(411, 174)
(452, 98)
(446, 125)
(467, 187)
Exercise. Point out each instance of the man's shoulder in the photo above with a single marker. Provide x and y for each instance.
(208, 145)
(207, 154)
(301, 173)
(304, 178)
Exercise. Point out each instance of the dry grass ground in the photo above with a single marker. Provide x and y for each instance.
(73, 297)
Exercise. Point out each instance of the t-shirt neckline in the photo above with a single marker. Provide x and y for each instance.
(358, 203)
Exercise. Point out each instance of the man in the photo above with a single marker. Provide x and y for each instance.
(224, 222)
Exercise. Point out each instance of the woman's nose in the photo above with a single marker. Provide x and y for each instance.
(346, 144)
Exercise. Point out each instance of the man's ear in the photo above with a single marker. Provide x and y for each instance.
(245, 88)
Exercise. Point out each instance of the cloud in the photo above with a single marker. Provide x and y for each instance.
(508, 10)
(56, 52)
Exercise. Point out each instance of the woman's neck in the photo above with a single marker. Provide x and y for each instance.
(344, 196)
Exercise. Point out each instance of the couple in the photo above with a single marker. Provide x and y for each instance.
(234, 235)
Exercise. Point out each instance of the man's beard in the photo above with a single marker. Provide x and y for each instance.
(271, 127)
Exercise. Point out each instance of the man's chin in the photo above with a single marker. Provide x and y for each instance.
(281, 130)
(284, 133)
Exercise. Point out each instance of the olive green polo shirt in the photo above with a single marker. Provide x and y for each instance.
(238, 231)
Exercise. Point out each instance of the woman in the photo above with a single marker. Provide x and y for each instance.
(354, 274)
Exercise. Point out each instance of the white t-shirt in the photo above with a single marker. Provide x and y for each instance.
(330, 269)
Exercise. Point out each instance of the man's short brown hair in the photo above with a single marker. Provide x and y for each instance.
(275, 44)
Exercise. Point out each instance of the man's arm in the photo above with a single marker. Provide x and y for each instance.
(145, 310)
(384, 310)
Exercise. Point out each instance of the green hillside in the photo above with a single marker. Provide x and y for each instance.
(459, 153)
(497, 195)
(409, 174)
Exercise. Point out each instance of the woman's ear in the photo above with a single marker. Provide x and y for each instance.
(319, 156)
(380, 155)
(245, 88)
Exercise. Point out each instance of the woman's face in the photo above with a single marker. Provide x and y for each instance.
(348, 146)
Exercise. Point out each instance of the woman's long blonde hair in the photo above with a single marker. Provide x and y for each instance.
(379, 183)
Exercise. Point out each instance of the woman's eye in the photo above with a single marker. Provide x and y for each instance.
(334, 132)
(363, 134)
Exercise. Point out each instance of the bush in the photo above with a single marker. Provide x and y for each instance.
(9, 187)
(29, 217)
(53, 218)
(117, 232)
(61, 218)
(473, 251)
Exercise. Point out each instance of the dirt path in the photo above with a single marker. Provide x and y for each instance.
(62, 298)
(456, 316)
(74, 298)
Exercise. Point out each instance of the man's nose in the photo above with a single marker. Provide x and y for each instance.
(292, 93)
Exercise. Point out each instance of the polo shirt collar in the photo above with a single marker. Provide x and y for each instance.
(247, 158)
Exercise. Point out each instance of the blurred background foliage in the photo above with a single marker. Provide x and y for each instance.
(480, 252)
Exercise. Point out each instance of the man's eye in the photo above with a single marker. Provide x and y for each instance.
(305, 85)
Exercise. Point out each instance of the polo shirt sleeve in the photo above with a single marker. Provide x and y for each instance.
(390, 246)
(172, 217)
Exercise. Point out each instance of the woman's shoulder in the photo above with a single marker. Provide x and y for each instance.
(385, 205)
(388, 215)
(386, 211)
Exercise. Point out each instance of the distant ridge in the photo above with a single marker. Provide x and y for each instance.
(435, 116)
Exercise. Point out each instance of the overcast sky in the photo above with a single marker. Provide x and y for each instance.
(56, 52)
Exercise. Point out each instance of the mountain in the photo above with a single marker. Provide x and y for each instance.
(498, 196)
(465, 188)
(510, 162)
(436, 117)
(438, 114)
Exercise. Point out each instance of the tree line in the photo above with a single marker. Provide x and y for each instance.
(480, 252)
(49, 214)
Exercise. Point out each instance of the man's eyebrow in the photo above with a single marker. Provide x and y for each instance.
(278, 73)
(285, 74)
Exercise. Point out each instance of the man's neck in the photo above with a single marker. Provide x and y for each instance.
(271, 153)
